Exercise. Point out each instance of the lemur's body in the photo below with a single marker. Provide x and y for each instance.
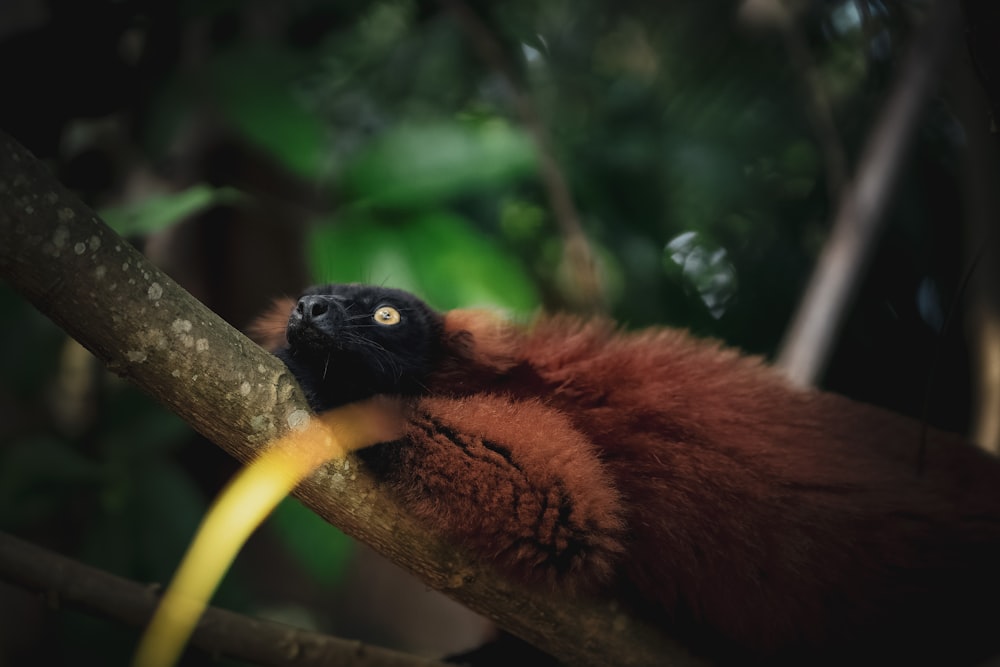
(760, 520)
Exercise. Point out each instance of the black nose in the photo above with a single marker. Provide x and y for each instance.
(312, 307)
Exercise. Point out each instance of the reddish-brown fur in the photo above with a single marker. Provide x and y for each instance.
(268, 329)
(758, 519)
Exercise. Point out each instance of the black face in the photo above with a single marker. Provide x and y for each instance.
(349, 342)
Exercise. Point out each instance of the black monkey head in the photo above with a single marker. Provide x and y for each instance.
(349, 342)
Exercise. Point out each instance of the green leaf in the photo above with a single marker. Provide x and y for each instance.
(437, 255)
(162, 211)
(255, 90)
(415, 165)
(322, 550)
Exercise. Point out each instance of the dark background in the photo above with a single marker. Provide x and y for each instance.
(252, 148)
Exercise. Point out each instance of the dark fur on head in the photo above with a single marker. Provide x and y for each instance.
(349, 342)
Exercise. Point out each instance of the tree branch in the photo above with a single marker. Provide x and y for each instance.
(220, 632)
(860, 215)
(144, 327)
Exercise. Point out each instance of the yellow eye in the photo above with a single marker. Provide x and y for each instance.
(387, 315)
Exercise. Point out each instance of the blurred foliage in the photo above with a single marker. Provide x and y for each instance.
(322, 552)
(423, 255)
(411, 167)
(378, 131)
(156, 213)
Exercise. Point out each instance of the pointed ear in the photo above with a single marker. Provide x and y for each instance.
(482, 337)
(268, 330)
(477, 344)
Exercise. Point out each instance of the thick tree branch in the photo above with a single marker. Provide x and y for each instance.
(146, 328)
(860, 215)
(220, 632)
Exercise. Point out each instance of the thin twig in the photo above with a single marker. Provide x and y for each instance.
(579, 255)
(860, 216)
(66, 581)
(818, 107)
(782, 16)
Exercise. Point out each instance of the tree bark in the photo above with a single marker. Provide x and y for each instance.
(144, 327)
(220, 632)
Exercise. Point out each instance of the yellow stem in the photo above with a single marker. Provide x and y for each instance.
(242, 507)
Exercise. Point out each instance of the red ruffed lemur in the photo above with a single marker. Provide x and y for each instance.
(760, 522)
